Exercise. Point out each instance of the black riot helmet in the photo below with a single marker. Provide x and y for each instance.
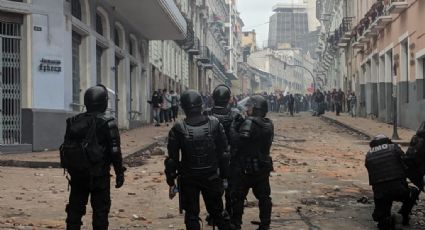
(379, 140)
(191, 101)
(221, 95)
(259, 105)
(96, 99)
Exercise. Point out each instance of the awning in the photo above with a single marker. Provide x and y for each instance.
(155, 19)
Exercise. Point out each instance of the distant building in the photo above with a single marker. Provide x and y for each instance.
(287, 25)
(249, 43)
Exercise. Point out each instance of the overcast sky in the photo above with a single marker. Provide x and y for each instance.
(255, 13)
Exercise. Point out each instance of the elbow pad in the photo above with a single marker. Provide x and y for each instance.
(245, 129)
(170, 170)
(115, 146)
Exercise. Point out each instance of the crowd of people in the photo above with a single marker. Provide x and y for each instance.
(335, 101)
(165, 106)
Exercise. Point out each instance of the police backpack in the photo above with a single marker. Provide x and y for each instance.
(81, 151)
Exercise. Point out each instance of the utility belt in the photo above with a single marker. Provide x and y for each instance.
(255, 165)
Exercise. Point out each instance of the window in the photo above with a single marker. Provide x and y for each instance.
(116, 36)
(76, 9)
(405, 72)
(76, 42)
(99, 24)
(99, 53)
(423, 77)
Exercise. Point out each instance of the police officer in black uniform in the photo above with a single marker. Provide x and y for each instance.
(226, 115)
(388, 179)
(94, 183)
(203, 166)
(251, 163)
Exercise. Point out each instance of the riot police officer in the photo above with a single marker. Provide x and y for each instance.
(251, 163)
(203, 166)
(388, 180)
(226, 115)
(93, 181)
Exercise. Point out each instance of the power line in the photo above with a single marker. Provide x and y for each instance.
(262, 24)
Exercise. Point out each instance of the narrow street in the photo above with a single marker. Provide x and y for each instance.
(319, 183)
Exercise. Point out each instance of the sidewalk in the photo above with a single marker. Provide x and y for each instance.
(369, 127)
(132, 141)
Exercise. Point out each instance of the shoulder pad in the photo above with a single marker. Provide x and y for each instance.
(104, 117)
(72, 119)
(111, 122)
(235, 113)
(214, 121)
(245, 128)
(258, 121)
(207, 112)
(179, 127)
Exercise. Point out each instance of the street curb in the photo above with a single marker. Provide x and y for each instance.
(51, 164)
(344, 125)
(359, 131)
(29, 164)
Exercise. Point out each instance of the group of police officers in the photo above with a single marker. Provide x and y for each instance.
(220, 151)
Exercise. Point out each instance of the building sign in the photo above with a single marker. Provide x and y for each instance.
(49, 65)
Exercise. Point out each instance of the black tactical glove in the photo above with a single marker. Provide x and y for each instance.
(119, 180)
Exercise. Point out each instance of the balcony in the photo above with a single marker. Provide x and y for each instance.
(342, 45)
(362, 39)
(383, 21)
(195, 49)
(217, 64)
(204, 55)
(346, 37)
(358, 45)
(149, 15)
(397, 6)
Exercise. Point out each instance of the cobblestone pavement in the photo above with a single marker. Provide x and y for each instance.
(318, 179)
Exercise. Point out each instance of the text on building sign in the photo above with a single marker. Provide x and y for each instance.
(48, 65)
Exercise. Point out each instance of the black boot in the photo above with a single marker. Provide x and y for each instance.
(386, 223)
(408, 204)
(209, 220)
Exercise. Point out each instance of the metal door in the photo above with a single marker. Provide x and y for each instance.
(10, 83)
(117, 99)
(76, 88)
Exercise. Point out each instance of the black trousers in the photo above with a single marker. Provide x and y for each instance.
(211, 188)
(386, 194)
(338, 108)
(175, 111)
(260, 186)
(98, 189)
(291, 110)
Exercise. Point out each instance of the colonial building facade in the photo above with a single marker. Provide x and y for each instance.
(52, 51)
(382, 46)
(207, 56)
